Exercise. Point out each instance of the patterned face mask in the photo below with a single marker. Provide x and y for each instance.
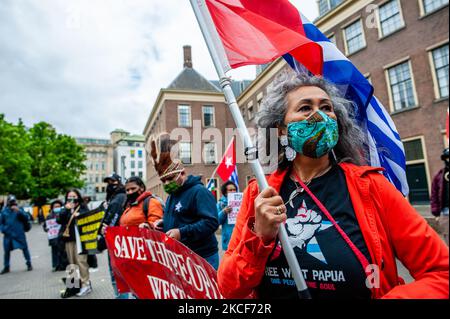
(314, 137)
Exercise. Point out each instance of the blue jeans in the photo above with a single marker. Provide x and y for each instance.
(213, 260)
(26, 254)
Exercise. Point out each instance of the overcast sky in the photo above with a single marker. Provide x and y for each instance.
(90, 66)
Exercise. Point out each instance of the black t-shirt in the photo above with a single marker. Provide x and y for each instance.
(330, 267)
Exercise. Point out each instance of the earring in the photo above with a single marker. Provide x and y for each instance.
(288, 151)
(334, 156)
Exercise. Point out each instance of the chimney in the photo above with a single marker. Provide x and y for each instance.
(187, 56)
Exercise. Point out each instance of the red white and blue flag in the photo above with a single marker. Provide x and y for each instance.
(257, 32)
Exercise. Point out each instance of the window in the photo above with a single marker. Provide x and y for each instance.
(433, 5)
(132, 153)
(210, 153)
(103, 166)
(354, 37)
(140, 164)
(96, 179)
(324, 7)
(208, 116)
(133, 173)
(250, 110)
(417, 170)
(185, 152)
(327, 5)
(440, 62)
(390, 17)
(184, 116)
(402, 90)
(259, 99)
(133, 164)
(140, 153)
(141, 175)
(332, 39)
(413, 150)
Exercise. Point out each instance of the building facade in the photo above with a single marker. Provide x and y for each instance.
(99, 164)
(193, 109)
(401, 46)
(129, 154)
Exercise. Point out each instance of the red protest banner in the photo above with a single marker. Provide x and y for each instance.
(153, 266)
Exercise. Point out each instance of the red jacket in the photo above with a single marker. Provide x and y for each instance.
(391, 228)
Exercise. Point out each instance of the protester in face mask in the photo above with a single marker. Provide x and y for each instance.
(74, 206)
(190, 215)
(440, 195)
(13, 224)
(343, 220)
(115, 198)
(138, 199)
(223, 210)
(55, 209)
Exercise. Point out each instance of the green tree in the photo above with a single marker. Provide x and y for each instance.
(58, 163)
(15, 161)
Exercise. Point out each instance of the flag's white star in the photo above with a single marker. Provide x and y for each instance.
(228, 162)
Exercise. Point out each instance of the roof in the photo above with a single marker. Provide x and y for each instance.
(133, 138)
(189, 79)
(119, 130)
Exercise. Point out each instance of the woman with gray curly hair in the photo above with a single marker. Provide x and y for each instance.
(346, 222)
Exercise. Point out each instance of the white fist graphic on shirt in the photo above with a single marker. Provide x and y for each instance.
(303, 226)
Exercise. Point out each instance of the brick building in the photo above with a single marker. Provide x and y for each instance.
(196, 109)
(401, 46)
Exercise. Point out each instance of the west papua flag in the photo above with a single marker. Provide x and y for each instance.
(228, 163)
(258, 32)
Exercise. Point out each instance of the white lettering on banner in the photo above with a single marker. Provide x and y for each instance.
(162, 289)
(195, 275)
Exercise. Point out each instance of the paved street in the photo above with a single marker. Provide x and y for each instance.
(42, 283)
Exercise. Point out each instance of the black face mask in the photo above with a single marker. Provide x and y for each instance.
(133, 197)
(110, 189)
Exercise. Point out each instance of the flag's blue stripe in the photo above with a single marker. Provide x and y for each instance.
(314, 34)
(385, 145)
(389, 173)
(380, 113)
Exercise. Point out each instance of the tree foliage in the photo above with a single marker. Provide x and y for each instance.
(39, 163)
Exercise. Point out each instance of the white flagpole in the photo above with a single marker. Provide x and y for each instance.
(201, 12)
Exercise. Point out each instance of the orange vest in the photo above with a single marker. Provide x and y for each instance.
(134, 215)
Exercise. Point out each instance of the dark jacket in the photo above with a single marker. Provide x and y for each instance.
(12, 226)
(437, 193)
(64, 218)
(193, 211)
(115, 207)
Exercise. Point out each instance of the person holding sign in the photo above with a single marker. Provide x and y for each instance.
(224, 211)
(190, 215)
(345, 221)
(52, 228)
(74, 206)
